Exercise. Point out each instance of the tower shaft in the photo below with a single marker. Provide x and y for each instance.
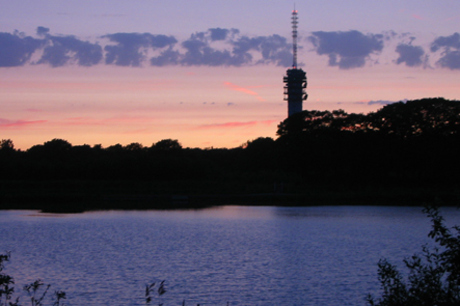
(294, 89)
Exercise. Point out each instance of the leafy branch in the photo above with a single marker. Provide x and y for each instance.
(434, 275)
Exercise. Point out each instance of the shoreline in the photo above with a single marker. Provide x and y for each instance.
(70, 202)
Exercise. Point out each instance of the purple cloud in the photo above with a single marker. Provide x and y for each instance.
(346, 50)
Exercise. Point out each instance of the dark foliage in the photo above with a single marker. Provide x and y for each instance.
(406, 143)
(433, 277)
(36, 291)
(426, 117)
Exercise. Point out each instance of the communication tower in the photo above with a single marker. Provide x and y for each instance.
(295, 79)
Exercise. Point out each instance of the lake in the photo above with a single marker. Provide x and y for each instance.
(231, 254)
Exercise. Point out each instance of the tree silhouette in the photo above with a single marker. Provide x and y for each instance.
(6, 145)
(430, 116)
(167, 145)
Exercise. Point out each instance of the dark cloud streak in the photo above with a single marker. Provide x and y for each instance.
(382, 102)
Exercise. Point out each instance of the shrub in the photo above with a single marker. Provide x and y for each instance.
(434, 275)
(35, 290)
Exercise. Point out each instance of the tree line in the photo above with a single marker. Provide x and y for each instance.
(406, 145)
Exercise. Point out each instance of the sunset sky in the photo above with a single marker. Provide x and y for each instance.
(209, 72)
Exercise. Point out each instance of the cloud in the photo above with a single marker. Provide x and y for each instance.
(199, 52)
(382, 102)
(61, 50)
(42, 31)
(214, 47)
(238, 51)
(274, 49)
(17, 49)
(166, 57)
(451, 60)
(5, 123)
(219, 34)
(446, 42)
(412, 56)
(450, 47)
(376, 102)
(346, 50)
(131, 49)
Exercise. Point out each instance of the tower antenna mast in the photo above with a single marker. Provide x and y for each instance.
(294, 37)
(295, 79)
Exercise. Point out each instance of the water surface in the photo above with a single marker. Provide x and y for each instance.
(239, 255)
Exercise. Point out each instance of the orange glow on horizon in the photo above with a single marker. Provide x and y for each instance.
(110, 105)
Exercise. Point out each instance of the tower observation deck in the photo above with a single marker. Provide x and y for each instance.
(295, 79)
